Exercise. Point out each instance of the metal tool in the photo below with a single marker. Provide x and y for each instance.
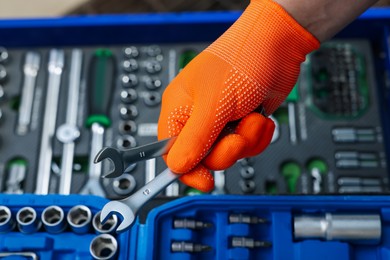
(3, 73)
(108, 227)
(3, 54)
(247, 242)
(17, 171)
(347, 227)
(79, 219)
(55, 66)
(101, 81)
(69, 132)
(53, 219)
(103, 247)
(27, 220)
(124, 184)
(190, 224)
(6, 221)
(30, 70)
(28, 255)
(137, 154)
(189, 247)
(128, 208)
(245, 219)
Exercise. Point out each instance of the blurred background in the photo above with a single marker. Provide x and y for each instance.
(50, 8)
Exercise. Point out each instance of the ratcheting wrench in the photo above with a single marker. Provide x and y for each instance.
(128, 208)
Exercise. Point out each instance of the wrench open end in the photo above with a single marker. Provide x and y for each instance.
(115, 157)
(125, 214)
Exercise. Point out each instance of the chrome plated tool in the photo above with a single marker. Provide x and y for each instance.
(55, 66)
(137, 154)
(30, 70)
(129, 207)
(69, 132)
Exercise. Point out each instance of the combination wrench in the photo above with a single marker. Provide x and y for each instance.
(100, 87)
(69, 132)
(55, 67)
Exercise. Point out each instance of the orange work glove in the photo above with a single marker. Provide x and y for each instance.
(255, 62)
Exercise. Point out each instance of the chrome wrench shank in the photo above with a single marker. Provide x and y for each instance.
(129, 207)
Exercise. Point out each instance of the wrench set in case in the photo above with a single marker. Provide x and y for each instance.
(63, 98)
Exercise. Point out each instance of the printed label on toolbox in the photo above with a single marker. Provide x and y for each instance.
(148, 129)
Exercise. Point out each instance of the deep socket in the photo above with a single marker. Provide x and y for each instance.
(247, 186)
(79, 219)
(28, 221)
(53, 219)
(346, 227)
(153, 66)
(108, 226)
(103, 247)
(6, 221)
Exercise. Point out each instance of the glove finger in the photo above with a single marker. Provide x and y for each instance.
(199, 178)
(257, 130)
(195, 139)
(225, 153)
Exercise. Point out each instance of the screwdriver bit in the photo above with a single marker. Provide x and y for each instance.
(190, 224)
(189, 247)
(246, 242)
(245, 219)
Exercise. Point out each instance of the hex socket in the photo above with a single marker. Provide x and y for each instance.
(103, 247)
(108, 226)
(27, 220)
(79, 219)
(124, 184)
(6, 221)
(53, 219)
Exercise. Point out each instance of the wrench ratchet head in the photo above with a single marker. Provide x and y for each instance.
(115, 157)
(125, 213)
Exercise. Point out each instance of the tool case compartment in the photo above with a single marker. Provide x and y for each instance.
(242, 184)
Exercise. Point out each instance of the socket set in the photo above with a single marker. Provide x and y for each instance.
(71, 102)
(57, 227)
(198, 227)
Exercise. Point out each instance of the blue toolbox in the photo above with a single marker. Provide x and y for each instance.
(69, 86)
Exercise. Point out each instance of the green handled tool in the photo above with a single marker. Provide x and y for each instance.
(101, 80)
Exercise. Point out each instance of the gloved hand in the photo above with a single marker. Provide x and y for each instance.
(255, 62)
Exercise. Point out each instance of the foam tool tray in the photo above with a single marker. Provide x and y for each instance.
(202, 227)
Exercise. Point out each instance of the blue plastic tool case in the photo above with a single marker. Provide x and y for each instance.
(152, 239)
